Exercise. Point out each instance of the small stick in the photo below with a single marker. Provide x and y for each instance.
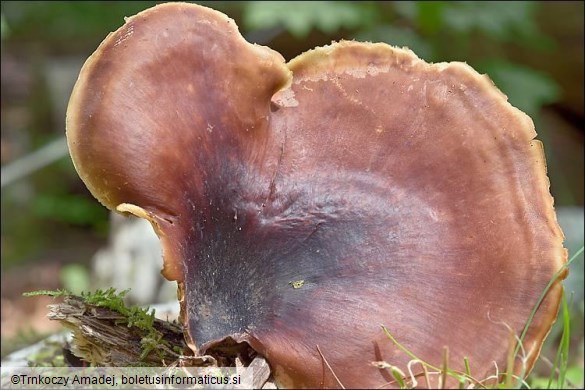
(330, 369)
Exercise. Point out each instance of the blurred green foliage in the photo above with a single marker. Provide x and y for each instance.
(75, 278)
(435, 31)
(526, 88)
(299, 18)
(66, 26)
(502, 20)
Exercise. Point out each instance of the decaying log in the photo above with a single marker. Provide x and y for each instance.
(102, 337)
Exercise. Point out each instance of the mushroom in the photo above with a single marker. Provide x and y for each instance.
(301, 205)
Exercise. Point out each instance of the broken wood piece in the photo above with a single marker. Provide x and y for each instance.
(106, 337)
(103, 337)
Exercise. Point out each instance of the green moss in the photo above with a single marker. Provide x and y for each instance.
(134, 316)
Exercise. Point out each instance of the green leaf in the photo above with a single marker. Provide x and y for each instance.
(399, 376)
(511, 21)
(499, 19)
(299, 18)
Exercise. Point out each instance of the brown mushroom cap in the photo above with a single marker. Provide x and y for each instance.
(302, 205)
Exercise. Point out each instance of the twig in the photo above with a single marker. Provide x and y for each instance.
(34, 161)
(102, 337)
(330, 369)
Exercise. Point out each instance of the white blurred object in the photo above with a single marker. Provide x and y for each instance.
(133, 260)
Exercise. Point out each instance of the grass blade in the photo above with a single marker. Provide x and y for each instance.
(543, 295)
(564, 345)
